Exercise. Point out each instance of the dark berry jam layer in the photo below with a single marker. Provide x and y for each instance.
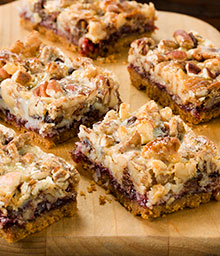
(103, 175)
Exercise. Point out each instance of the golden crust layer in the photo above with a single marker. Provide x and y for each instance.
(16, 233)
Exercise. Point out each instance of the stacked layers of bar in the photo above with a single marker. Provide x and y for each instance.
(150, 160)
(94, 27)
(44, 91)
(36, 189)
(183, 74)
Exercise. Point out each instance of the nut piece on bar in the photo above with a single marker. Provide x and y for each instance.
(94, 27)
(36, 188)
(150, 160)
(183, 74)
(47, 93)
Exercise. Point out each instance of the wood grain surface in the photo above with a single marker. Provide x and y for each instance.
(109, 229)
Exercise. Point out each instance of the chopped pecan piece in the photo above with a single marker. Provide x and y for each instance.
(155, 58)
(36, 91)
(107, 141)
(43, 88)
(192, 68)
(164, 149)
(135, 139)
(197, 54)
(2, 63)
(27, 158)
(124, 111)
(210, 74)
(176, 128)
(183, 39)
(3, 74)
(71, 87)
(144, 45)
(195, 41)
(17, 47)
(54, 85)
(56, 71)
(22, 77)
(13, 151)
(177, 55)
(167, 46)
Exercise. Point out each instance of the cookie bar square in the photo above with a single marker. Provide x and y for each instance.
(45, 92)
(36, 188)
(94, 27)
(183, 74)
(150, 160)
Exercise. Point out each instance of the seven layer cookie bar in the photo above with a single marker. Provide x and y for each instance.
(93, 27)
(183, 74)
(36, 189)
(150, 160)
(47, 93)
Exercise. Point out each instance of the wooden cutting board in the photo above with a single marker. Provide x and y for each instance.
(110, 229)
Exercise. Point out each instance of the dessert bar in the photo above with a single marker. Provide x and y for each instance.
(92, 27)
(36, 189)
(150, 160)
(183, 74)
(47, 93)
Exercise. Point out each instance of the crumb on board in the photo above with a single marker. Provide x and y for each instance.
(113, 58)
(124, 62)
(83, 194)
(109, 200)
(108, 192)
(104, 199)
(91, 187)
